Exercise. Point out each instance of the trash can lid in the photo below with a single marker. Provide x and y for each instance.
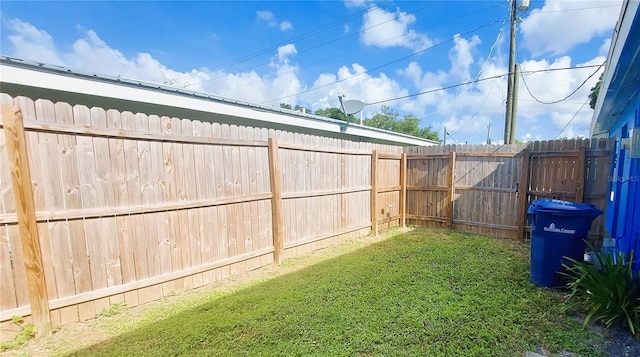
(561, 207)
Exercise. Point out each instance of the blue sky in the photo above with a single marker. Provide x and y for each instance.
(306, 52)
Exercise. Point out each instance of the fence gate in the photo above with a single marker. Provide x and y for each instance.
(489, 193)
(470, 188)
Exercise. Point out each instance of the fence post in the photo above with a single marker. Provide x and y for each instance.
(276, 201)
(403, 190)
(580, 174)
(374, 192)
(523, 189)
(27, 224)
(451, 188)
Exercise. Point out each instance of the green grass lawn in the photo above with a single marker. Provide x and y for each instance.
(421, 293)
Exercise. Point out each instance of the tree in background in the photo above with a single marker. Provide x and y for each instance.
(296, 108)
(335, 113)
(595, 90)
(387, 119)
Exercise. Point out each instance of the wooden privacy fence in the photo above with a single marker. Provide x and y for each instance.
(487, 189)
(128, 207)
(99, 206)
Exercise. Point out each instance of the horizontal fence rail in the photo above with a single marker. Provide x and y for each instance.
(132, 207)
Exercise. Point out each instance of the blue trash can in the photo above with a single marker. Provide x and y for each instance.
(558, 229)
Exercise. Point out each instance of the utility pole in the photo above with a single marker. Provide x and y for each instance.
(445, 136)
(508, 120)
(514, 72)
(489, 134)
(514, 105)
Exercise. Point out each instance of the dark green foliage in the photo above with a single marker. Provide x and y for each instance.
(610, 294)
(595, 91)
(296, 108)
(387, 119)
(410, 124)
(336, 113)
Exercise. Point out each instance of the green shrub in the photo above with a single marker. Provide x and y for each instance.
(607, 291)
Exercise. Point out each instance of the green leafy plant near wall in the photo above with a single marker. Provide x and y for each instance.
(607, 291)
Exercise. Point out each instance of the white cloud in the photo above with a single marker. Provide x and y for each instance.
(267, 16)
(91, 54)
(552, 86)
(461, 56)
(391, 29)
(604, 49)
(560, 25)
(286, 51)
(356, 83)
(465, 111)
(354, 4)
(272, 21)
(31, 43)
(286, 25)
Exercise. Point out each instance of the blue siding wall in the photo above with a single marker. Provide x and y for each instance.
(623, 214)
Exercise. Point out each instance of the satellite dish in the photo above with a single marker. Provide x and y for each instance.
(351, 106)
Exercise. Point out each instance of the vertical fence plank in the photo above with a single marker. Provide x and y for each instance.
(580, 168)
(27, 224)
(451, 188)
(374, 192)
(403, 190)
(522, 193)
(276, 201)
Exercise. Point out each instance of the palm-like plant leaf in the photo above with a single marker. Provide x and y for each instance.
(608, 293)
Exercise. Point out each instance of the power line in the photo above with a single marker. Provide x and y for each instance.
(303, 36)
(475, 78)
(584, 8)
(476, 81)
(384, 65)
(565, 98)
(273, 47)
(334, 56)
(570, 120)
(477, 75)
(561, 68)
(313, 47)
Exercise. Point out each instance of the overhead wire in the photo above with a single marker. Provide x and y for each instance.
(318, 46)
(565, 98)
(334, 56)
(471, 82)
(572, 118)
(475, 78)
(477, 74)
(273, 47)
(482, 128)
(383, 65)
(580, 9)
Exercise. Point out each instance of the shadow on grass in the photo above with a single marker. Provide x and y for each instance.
(426, 292)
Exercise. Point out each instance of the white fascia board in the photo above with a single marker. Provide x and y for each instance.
(162, 97)
(620, 34)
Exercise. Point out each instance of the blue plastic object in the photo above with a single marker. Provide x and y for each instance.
(558, 229)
